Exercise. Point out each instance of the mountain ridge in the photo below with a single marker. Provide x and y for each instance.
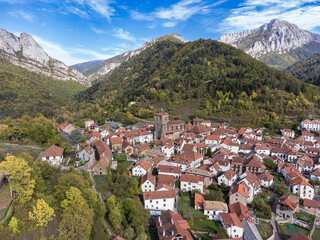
(25, 52)
(105, 67)
(275, 42)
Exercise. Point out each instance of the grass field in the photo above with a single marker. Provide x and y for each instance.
(291, 230)
(15, 149)
(265, 229)
(316, 234)
(306, 217)
(5, 199)
(122, 160)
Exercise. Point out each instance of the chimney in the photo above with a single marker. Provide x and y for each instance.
(172, 233)
(164, 233)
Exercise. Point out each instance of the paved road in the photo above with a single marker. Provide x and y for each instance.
(273, 219)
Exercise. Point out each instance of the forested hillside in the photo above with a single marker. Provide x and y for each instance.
(23, 92)
(307, 70)
(204, 78)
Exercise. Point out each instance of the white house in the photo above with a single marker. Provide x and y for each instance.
(191, 182)
(168, 149)
(141, 168)
(264, 148)
(148, 182)
(212, 140)
(302, 188)
(105, 132)
(287, 132)
(315, 175)
(228, 178)
(169, 170)
(187, 159)
(212, 209)
(232, 225)
(266, 179)
(160, 200)
(54, 155)
(144, 137)
(310, 125)
(88, 123)
(230, 145)
(214, 168)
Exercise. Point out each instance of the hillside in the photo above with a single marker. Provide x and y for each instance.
(205, 78)
(23, 92)
(97, 71)
(277, 43)
(307, 70)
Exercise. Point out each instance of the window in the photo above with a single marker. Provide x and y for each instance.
(234, 230)
(164, 200)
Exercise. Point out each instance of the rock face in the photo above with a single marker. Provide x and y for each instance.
(24, 51)
(97, 71)
(276, 37)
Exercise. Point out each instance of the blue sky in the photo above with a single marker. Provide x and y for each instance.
(75, 31)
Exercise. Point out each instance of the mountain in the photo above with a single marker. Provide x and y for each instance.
(278, 43)
(25, 92)
(24, 52)
(81, 67)
(204, 78)
(105, 67)
(307, 70)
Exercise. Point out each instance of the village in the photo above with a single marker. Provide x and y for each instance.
(251, 185)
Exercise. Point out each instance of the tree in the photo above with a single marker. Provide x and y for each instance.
(270, 165)
(19, 175)
(75, 137)
(42, 213)
(14, 225)
(209, 153)
(77, 217)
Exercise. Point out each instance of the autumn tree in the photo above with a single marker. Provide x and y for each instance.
(14, 225)
(42, 213)
(77, 217)
(19, 175)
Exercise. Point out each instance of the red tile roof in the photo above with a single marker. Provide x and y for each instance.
(311, 203)
(240, 210)
(171, 225)
(159, 195)
(229, 174)
(144, 164)
(143, 147)
(191, 178)
(116, 140)
(198, 200)
(299, 236)
(230, 219)
(169, 169)
(166, 180)
(150, 177)
(241, 188)
(53, 151)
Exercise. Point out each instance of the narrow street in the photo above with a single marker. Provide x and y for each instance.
(273, 219)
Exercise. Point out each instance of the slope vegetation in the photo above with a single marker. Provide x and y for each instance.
(307, 70)
(23, 92)
(207, 78)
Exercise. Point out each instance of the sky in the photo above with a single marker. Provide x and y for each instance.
(76, 31)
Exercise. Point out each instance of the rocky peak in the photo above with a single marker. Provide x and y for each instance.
(25, 52)
(276, 36)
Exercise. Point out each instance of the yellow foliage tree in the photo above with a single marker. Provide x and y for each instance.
(14, 225)
(19, 175)
(42, 213)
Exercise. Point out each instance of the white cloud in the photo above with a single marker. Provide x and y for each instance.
(102, 7)
(180, 11)
(120, 33)
(169, 24)
(98, 31)
(253, 13)
(22, 14)
(69, 55)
